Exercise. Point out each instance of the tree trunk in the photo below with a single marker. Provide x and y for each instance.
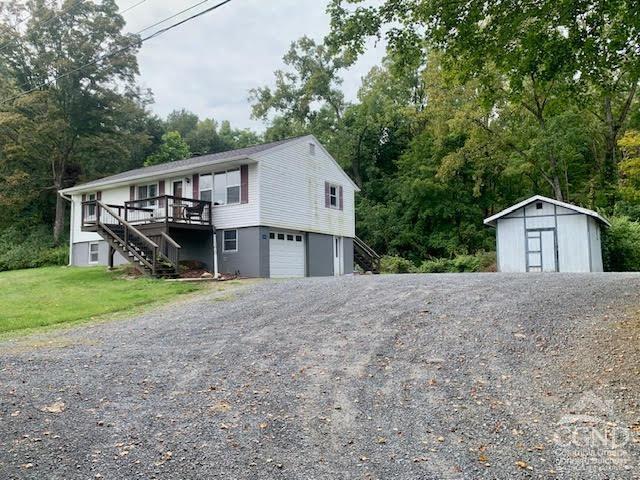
(61, 206)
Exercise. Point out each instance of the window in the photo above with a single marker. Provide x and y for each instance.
(147, 191)
(206, 187)
(272, 235)
(222, 188)
(230, 241)
(539, 206)
(333, 196)
(92, 207)
(94, 249)
(281, 236)
(298, 238)
(290, 238)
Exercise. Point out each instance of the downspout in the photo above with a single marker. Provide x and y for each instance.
(215, 255)
(70, 200)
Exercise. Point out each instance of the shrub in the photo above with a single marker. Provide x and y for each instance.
(30, 250)
(621, 245)
(480, 262)
(395, 264)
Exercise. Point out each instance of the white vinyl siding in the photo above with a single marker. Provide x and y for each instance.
(292, 191)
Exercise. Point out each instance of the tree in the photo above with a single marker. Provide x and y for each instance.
(72, 84)
(173, 148)
(582, 51)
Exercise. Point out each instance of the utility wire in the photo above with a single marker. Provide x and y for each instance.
(131, 7)
(47, 22)
(126, 47)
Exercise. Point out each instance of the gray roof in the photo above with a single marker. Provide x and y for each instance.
(182, 164)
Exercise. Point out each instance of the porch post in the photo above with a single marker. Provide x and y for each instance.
(111, 254)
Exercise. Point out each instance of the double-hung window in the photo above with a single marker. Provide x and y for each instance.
(92, 206)
(230, 241)
(333, 196)
(206, 187)
(223, 190)
(147, 191)
(94, 249)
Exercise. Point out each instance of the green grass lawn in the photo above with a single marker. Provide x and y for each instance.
(55, 295)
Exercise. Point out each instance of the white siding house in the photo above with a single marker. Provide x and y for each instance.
(275, 210)
(541, 234)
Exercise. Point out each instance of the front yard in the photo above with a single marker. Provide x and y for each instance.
(54, 295)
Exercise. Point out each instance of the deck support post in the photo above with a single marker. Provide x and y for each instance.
(111, 254)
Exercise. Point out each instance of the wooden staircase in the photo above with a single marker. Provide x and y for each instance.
(148, 256)
(365, 257)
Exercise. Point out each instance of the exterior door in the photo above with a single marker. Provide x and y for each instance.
(542, 250)
(177, 188)
(338, 256)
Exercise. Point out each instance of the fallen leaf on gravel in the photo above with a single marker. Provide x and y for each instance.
(522, 464)
(382, 440)
(483, 459)
(26, 465)
(263, 425)
(440, 439)
(55, 407)
(221, 407)
(16, 413)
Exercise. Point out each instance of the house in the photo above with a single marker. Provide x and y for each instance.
(541, 234)
(282, 209)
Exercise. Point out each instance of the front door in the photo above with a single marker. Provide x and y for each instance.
(338, 256)
(542, 250)
(177, 188)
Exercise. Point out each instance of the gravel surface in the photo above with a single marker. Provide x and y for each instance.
(415, 376)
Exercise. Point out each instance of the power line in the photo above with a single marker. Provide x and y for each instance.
(120, 50)
(60, 14)
(47, 22)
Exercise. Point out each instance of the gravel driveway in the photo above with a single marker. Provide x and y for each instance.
(415, 376)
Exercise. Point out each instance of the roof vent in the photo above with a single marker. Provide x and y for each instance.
(312, 148)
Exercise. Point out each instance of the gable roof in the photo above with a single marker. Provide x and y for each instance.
(180, 165)
(493, 219)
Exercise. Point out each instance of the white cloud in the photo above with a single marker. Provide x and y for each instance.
(209, 64)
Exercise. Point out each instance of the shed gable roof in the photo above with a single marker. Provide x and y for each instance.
(585, 211)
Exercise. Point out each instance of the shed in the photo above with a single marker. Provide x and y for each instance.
(541, 234)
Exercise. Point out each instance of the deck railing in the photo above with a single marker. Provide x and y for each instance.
(168, 209)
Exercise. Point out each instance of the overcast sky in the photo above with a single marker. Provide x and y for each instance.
(209, 64)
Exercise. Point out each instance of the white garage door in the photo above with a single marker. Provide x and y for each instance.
(286, 255)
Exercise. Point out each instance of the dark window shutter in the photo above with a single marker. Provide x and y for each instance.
(340, 198)
(244, 184)
(132, 193)
(98, 195)
(196, 186)
(327, 195)
(161, 193)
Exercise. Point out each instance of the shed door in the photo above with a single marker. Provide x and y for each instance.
(286, 255)
(542, 250)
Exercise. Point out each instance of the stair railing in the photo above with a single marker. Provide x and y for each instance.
(368, 251)
(104, 213)
(171, 249)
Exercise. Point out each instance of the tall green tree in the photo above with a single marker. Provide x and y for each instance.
(173, 148)
(61, 59)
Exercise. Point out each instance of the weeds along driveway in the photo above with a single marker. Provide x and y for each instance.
(414, 376)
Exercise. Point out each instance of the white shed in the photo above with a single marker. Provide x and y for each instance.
(541, 234)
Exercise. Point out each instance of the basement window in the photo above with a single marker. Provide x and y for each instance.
(230, 241)
(94, 249)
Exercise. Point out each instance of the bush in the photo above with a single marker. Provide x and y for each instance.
(480, 262)
(621, 245)
(395, 264)
(35, 249)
